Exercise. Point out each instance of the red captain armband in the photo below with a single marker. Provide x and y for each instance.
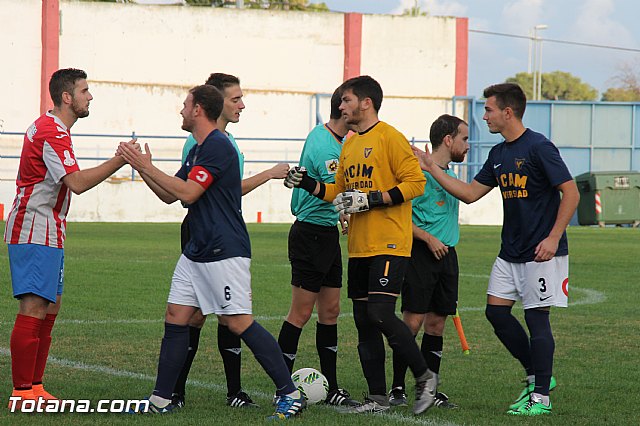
(201, 176)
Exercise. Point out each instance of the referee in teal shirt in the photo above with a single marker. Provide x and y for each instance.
(430, 289)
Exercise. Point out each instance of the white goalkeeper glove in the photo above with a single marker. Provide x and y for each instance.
(294, 177)
(354, 201)
(298, 178)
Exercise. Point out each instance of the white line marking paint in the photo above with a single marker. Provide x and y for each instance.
(592, 297)
(77, 365)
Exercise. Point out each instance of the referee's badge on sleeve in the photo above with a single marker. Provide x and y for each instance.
(332, 166)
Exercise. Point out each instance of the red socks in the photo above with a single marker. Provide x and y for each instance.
(25, 340)
(43, 348)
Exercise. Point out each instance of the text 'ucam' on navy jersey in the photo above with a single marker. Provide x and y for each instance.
(528, 171)
(216, 225)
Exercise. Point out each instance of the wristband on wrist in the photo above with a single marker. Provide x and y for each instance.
(375, 199)
(307, 183)
(396, 196)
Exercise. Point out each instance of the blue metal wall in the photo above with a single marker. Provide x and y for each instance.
(591, 136)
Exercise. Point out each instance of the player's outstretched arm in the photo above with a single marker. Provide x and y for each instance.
(547, 248)
(279, 171)
(83, 180)
(466, 192)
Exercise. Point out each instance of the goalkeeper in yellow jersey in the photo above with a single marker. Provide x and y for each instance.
(377, 177)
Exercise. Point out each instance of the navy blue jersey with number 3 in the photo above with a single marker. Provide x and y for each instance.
(216, 225)
(528, 171)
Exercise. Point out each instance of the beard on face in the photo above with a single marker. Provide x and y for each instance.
(458, 158)
(187, 125)
(354, 118)
(78, 111)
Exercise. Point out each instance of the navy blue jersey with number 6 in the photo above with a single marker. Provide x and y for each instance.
(216, 225)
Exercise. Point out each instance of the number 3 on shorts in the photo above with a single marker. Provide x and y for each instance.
(543, 285)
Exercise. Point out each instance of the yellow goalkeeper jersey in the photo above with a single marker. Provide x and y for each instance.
(379, 159)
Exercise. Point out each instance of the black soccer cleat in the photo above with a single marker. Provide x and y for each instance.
(241, 400)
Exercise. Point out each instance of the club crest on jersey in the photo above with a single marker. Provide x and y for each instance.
(367, 152)
(68, 160)
(332, 166)
(519, 163)
(31, 132)
(384, 282)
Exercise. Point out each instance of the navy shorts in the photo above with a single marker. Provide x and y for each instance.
(375, 274)
(36, 269)
(315, 256)
(430, 285)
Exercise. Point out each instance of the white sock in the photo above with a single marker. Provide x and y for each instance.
(295, 394)
(540, 398)
(159, 401)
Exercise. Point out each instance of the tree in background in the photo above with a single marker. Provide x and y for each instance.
(414, 10)
(246, 4)
(556, 86)
(627, 87)
(265, 4)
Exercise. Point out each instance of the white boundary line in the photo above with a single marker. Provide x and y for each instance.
(77, 365)
(592, 297)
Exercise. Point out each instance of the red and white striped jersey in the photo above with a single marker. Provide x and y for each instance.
(39, 212)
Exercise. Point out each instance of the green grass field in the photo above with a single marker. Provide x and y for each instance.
(117, 276)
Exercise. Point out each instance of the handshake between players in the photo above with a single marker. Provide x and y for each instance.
(348, 202)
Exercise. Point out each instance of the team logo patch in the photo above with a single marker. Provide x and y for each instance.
(367, 152)
(332, 166)
(384, 282)
(68, 160)
(519, 163)
(565, 287)
(440, 203)
(31, 132)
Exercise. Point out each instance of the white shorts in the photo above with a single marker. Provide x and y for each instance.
(536, 284)
(221, 288)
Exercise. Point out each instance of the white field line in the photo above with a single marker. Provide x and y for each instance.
(218, 388)
(592, 297)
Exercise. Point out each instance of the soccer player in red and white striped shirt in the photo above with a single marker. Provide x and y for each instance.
(36, 225)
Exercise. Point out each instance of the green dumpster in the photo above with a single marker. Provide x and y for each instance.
(609, 197)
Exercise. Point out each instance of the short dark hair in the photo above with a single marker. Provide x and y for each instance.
(364, 87)
(210, 100)
(336, 100)
(64, 80)
(444, 125)
(508, 95)
(222, 81)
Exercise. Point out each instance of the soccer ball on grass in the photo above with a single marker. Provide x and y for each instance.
(311, 384)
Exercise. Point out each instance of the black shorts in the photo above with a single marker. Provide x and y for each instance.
(383, 273)
(430, 285)
(315, 256)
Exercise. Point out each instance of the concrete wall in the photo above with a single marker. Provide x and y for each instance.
(142, 59)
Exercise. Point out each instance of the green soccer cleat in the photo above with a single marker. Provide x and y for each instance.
(533, 407)
(523, 398)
